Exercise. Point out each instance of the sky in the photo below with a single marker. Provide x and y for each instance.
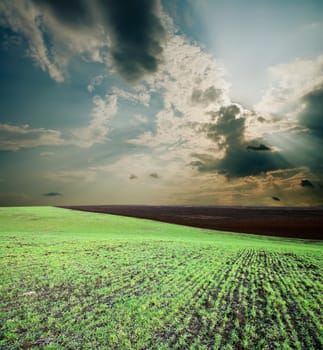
(188, 102)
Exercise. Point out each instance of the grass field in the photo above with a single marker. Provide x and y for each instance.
(79, 280)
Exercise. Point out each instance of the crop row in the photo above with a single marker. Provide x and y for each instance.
(158, 295)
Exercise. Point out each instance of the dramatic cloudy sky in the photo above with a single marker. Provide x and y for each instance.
(161, 102)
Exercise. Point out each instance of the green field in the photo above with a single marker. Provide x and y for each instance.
(78, 280)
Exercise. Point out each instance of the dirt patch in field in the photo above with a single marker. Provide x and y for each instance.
(299, 222)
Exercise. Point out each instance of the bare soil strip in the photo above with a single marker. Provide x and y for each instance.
(297, 222)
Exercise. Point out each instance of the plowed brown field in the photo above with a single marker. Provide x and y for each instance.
(299, 222)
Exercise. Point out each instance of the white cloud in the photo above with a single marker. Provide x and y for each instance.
(143, 164)
(34, 24)
(288, 83)
(14, 137)
(282, 102)
(91, 43)
(95, 81)
(24, 18)
(188, 69)
(141, 95)
(97, 130)
(191, 83)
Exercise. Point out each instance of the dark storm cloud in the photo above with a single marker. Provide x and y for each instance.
(133, 26)
(306, 183)
(261, 147)
(228, 128)
(71, 12)
(136, 33)
(154, 175)
(52, 194)
(312, 115)
(311, 118)
(228, 133)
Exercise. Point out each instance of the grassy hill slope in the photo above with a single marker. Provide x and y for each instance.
(72, 280)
